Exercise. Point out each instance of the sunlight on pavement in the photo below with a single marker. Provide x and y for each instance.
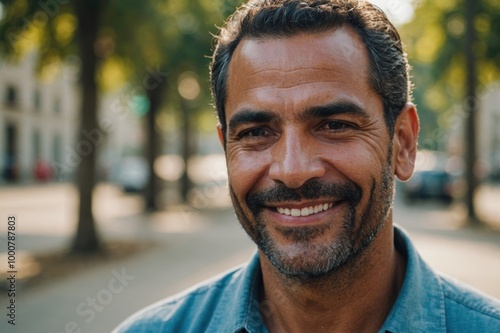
(26, 266)
(178, 220)
(44, 210)
(451, 219)
(488, 201)
(110, 202)
(463, 259)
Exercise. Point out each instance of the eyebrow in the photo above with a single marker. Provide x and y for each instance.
(246, 116)
(336, 108)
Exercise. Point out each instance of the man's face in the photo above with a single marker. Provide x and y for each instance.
(308, 151)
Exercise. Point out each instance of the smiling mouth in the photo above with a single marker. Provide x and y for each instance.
(306, 211)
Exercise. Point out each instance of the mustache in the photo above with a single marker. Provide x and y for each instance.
(311, 190)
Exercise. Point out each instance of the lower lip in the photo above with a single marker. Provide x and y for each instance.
(317, 218)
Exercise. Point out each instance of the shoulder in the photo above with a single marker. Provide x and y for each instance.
(467, 309)
(198, 305)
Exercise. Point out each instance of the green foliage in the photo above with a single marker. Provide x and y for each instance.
(134, 38)
(173, 36)
(435, 41)
(45, 26)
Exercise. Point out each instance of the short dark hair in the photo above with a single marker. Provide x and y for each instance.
(284, 18)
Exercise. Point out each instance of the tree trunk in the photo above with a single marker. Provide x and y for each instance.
(155, 94)
(187, 150)
(471, 112)
(90, 136)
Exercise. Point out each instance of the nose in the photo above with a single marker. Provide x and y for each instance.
(295, 160)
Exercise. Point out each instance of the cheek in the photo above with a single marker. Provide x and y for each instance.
(247, 171)
(356, 162)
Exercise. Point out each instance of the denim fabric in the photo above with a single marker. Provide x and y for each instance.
(427, 302)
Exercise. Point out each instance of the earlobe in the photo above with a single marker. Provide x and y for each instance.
(406, 142)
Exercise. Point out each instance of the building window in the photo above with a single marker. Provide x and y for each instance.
(11, 98)
(37, 145)
(11, 140)
(56, 149)
(10, 171)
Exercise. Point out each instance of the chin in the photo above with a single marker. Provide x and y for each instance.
(310, 259)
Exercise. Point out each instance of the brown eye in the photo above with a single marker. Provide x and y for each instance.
(336, 125)
(256, 132)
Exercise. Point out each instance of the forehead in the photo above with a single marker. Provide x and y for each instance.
(332, 64)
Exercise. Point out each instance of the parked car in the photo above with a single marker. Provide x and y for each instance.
(429, 184)
(133, 174)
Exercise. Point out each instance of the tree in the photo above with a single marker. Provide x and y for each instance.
(142, 43)
(88, 14)
(169, 37)
(471, 109)
(454, 48)
(193, 21)
(45, 25)
(174, 40)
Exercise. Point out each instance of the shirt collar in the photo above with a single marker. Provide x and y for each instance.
(419, 306)
(244, 310)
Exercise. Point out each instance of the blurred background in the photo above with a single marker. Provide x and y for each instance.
(110, 162)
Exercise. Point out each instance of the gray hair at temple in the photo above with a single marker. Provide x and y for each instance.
(285, 18)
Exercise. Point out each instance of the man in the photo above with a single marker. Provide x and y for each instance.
(313, 99)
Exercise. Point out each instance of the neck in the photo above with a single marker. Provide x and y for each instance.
(355, 298)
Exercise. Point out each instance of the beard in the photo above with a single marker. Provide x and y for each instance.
(306, 256)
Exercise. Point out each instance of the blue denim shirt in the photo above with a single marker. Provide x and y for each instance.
(427, 302)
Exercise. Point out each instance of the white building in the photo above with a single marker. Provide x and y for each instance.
(36, 119)
(39, 121)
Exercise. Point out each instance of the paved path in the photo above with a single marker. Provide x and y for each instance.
(185, 256)
(193, 246)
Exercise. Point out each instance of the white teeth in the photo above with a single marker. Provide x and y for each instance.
(306, 211)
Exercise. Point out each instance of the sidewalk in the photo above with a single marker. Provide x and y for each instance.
(189, 252)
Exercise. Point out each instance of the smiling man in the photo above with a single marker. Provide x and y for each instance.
(316, 120)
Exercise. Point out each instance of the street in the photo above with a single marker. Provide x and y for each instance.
(193, 245)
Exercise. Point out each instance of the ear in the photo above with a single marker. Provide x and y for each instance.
(221, 136)
(406, 142)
